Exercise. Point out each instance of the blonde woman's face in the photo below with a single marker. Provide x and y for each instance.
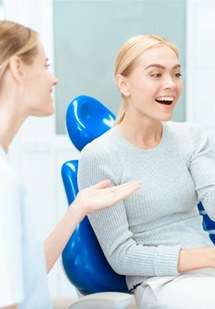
(154, 85)
(39, 84)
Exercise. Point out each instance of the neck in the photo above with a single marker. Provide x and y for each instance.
(146, 134)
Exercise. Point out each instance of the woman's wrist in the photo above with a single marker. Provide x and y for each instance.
(77, 210)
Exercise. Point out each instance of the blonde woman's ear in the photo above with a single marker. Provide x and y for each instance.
(122, 85)
(16, 66)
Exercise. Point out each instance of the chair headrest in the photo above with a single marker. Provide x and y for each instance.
(87, 119)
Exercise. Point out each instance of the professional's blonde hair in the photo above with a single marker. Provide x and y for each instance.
(130, 51)
(16, 40)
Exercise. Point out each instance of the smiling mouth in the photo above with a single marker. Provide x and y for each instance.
(165, 100)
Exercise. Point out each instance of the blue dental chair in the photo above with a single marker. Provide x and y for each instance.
(83, 260)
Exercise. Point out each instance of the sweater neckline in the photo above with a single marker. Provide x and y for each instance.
(134, 147)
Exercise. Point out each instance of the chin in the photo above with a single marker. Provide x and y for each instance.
(166, 117)
(44, 113)
(48, 111)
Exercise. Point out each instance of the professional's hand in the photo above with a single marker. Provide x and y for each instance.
(102, 195)
(90, 199)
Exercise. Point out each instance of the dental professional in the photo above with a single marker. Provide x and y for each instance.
(25, 90)
(155, 237)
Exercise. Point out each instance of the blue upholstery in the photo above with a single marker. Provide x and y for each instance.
(208, 224)
(84, 262)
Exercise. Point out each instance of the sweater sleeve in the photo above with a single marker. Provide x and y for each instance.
(202, 168)
(112, 228)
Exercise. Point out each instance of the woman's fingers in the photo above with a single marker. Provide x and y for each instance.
(126, 185)
(103, 184)
(102, 195)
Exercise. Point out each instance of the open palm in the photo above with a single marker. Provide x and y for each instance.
(102, 195)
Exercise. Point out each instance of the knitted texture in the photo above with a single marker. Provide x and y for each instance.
(141, 236)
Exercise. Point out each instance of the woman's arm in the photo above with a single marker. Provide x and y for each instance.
(202, 169)
(88, 200)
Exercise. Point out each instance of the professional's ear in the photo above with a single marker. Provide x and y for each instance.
(17, 67)
(122, 84)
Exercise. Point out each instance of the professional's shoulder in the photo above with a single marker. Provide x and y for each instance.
(9, 182)
(6, 171)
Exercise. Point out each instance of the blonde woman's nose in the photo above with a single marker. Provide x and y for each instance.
(55, 80)
(169, 82)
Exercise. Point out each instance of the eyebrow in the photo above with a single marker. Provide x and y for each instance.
(161, 66)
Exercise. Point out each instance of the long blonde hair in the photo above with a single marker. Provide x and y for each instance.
(130, 51)
(16, 40)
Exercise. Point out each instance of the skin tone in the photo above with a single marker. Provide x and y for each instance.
(34, 81)
(155, 80)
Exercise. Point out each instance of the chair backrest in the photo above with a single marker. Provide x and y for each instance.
(84, 262)
(208, 224)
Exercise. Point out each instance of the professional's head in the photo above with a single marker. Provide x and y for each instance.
(147, 73)
(23, 69)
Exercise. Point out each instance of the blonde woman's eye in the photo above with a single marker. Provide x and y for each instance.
(156, 75)
(178, 75)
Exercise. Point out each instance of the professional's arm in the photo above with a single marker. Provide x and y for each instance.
(88, 200)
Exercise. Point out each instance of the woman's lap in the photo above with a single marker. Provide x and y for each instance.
(194, 290)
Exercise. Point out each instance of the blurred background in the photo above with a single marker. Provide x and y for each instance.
(82, 38)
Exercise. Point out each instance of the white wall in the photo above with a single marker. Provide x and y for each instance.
(200, 101)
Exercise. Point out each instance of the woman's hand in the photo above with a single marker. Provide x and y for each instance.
(197, 258)
(102, 195)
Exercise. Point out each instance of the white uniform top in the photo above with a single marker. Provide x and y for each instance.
(23, 278)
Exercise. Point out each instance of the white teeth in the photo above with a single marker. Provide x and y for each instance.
(166, 99)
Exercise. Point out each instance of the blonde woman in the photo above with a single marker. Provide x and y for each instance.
(25, 90)
(155, 237)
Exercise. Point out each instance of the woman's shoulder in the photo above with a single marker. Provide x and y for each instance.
(181, 125)
(191, 135)
(184, 128)
(104, 142)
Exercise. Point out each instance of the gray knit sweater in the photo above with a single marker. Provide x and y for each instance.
(141, 236)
